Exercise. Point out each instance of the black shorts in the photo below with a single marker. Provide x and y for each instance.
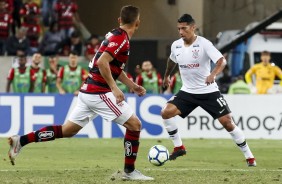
(213, 103)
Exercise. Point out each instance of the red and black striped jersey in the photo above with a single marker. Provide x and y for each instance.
(116, 43)
(5, 22)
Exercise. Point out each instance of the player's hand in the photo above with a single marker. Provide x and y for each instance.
(76, 93)
(210, 79)
(166, 82)
(118, 94)
(139, 90)
(62, 92)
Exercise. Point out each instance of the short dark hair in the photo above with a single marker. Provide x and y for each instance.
(265, 52)
(73, 52)
(74, 34)
(129, 14)
(186, 18)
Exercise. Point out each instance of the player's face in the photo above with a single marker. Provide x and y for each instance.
(36, 59)
(186, 31)
(265, 58)
(22, 61)
(147, 66)
(73, 60)
(137, 22)
(53, 62)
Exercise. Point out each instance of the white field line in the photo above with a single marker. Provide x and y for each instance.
(157, 169)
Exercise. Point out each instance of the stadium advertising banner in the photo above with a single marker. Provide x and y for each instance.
(259, 116)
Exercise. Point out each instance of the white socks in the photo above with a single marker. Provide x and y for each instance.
(172, 130)
(239, 138)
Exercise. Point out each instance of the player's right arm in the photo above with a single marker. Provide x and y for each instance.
(169, 68)
(10, 79)
(248, 75)
(104, 68)
(59, 81)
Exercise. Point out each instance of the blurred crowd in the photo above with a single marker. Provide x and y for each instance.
(48, 27)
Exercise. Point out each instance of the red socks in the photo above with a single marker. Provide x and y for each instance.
(131, 145)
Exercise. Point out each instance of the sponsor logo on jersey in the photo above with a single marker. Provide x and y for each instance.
(178, 46)
(195, 53)
(112, 44)
(128, 148)
(46, 135)
(121, 45)
(196, 45)
(190, 66)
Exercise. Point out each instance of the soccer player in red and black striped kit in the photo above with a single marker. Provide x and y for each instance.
(99, 95)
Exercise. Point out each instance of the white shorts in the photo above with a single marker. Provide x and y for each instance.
(90, 106)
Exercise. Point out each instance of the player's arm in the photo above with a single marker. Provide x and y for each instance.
(139, 90)
(220, 65)
(278, 73)
(10, 80)
(44, 81)
(59, 81)
(170, 65)
(248, 75)
(104, 68)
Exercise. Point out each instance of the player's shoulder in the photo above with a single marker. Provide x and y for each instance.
(203, 40)
(177, 44)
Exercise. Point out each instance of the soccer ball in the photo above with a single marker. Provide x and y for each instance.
(158, 155)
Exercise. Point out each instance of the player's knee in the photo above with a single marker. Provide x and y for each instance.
(166, 113)
(133, 124)
(227, 122)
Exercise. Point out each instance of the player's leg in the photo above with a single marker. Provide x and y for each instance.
(238, 137)
(78, 119)
(181, 105)
(168, 114)
(123, 115)
(215, 104)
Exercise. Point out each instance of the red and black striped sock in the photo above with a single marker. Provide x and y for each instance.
(131, 145)
(48, 133)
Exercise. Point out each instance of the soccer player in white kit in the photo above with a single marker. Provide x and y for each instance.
(193, 54)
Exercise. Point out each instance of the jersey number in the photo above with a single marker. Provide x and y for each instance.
(221, 101)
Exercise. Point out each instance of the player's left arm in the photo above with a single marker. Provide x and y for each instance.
(278, 73)
(220, 65)
(139, 90)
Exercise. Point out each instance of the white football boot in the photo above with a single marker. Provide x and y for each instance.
(135, 175)
(15, 148)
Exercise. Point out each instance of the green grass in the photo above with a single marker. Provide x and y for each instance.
(80, 160)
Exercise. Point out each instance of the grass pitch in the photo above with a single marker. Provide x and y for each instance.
(81, 160)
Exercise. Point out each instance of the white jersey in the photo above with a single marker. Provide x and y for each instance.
(194, 64)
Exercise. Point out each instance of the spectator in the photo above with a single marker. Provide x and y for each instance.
(51, 40)
(224, 81)
(66, 12)
(29, 10)
(71, 76)
(5, 25)
(48, 14)
(265, 73)
(122, 86)
(33, 32)
(92, 47)
(52, 73)
(71, 44)
(38, 73)
(175, 84)
(137, 70)
(150, 79)
(21, 77)
(18, 42)
(239, 87)
(16, 15)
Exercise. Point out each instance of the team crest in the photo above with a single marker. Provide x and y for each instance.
(195, 53)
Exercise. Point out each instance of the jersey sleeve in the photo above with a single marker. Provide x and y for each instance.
(172, 53)
(84, 74)
(212, 52)
(139, 80)
(61, 73)
(11, 74)
(115, 45)
(44, 76)
(160, 80)
(249, 73)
